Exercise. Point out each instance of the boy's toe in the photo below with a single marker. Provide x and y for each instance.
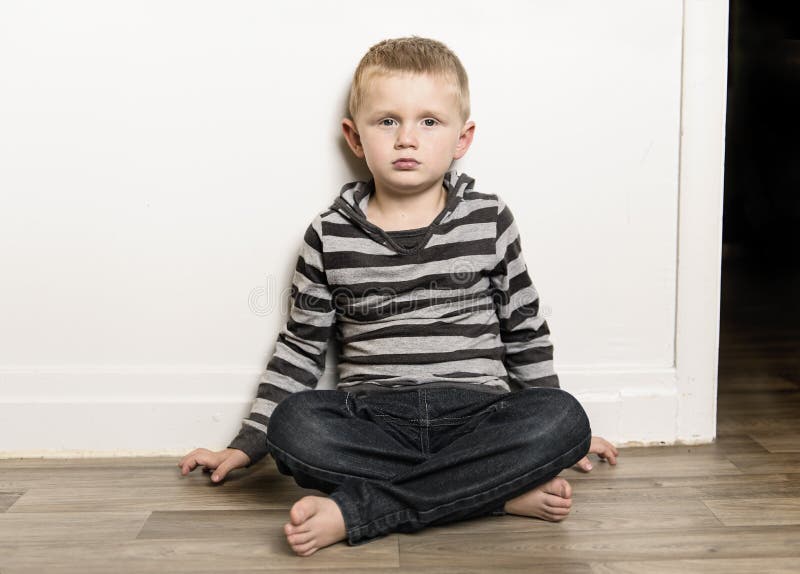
(562, 488)
(558, 510)
(290, 528)
(300, 538)
(297, 515)
(558, 487)
(305, 549)
(558, 501)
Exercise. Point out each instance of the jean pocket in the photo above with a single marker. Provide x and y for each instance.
(392, 417)
(470, 419)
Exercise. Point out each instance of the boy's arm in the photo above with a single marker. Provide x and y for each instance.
(299, 358)
(524, 331)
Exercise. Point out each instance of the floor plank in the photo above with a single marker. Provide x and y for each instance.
(779, 442)
(766, 463)
(60, 527)
(115, 499)
(759, 511)
(705, 566)
(187, 556)
(252, 525)
(554, 547)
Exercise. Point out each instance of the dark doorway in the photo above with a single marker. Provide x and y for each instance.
(759, 363)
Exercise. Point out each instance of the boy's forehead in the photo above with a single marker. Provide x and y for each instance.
(374, 76)
(377, 89)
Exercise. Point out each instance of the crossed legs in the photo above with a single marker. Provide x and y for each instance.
(508, 458)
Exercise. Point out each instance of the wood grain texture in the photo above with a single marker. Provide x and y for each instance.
(779, 442)
(58, 527)
(705, 566)
(234, 525)
(771, 463)
(115, 499)
(731, 506)
(178, 556)
(7, 499)
(756, 511)
(552, 547)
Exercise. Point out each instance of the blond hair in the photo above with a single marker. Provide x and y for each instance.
(410, 54)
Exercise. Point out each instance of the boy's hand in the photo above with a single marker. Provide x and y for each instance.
(602, 448)
(223, 461)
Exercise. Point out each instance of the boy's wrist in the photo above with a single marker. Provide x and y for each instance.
(252, 442)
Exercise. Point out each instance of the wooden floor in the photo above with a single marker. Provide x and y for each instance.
(733, 506)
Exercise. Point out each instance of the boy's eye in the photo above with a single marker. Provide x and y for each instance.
(383, 121)
(431, 124)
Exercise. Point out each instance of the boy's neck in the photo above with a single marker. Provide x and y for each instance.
(396, 212)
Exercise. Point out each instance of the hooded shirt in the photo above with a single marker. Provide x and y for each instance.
(450, 304)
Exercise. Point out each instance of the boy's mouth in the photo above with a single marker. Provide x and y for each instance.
(405, 163)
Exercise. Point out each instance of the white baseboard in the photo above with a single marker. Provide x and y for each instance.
(155, 412)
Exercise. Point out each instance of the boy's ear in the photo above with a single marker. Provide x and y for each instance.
(464, 139)
(353, 138)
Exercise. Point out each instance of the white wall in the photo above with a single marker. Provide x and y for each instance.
(159, 162)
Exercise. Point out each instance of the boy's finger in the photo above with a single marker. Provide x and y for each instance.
(609, 451)
(188, 459)
(612, 448)
(221, 472)
(194, 461)
(187, 466)
(185, 458)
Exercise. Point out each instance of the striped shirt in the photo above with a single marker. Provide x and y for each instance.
(447, 305)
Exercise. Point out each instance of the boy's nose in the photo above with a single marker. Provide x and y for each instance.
(406, 138)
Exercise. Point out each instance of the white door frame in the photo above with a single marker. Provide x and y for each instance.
(701, 178)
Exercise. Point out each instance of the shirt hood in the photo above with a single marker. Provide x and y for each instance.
(354, 196)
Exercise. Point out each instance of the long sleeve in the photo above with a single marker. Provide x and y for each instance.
(523, 330)
(299, 357)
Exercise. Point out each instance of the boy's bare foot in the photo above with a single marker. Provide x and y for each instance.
(549, 501)
(316, 522)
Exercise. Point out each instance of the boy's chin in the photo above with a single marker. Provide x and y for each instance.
(407, 179)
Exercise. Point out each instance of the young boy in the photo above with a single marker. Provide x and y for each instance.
(447, 405)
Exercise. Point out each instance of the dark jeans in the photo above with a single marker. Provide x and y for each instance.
(398, 461)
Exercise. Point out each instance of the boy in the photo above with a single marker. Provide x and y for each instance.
(447, 405)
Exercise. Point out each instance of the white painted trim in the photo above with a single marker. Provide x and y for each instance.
(173, 428)
(206, 406)
(705, 57)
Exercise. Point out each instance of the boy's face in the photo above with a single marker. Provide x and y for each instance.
(408, 116)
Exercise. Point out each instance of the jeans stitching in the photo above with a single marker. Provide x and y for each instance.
(427, 424)
(420, 421)
(357, 529)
